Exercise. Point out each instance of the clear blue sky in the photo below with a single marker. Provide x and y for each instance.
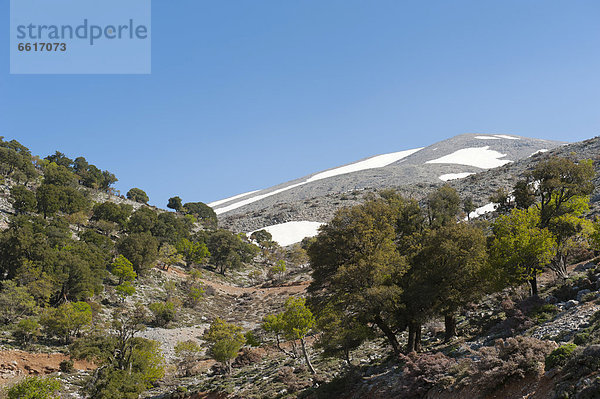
(247, 94)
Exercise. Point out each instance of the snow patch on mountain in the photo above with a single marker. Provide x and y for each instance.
(250, 200)
(539, 152)
(480, 157)
(378, 161)
(491, 207)
(486, 138)
(497, 137)
(453, 176)
(219, 202)
(292, 232)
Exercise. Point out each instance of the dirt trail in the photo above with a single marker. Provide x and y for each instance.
(290, 288)
(17, 364)
(294, 288)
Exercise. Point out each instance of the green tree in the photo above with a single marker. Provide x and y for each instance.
(16, 161)
(443, 205)
(52, 198)
(77, 271)
(340, 333)
(112, 212)
(561, 188)
(450, 270)
(298, 321)
(128, 365)
(520, 248)
(124, 290)
(30, 238)
(273, 324)
(23, 200)
(192, 251)
(194, 294)
(48, 199)
(556, 181)
(468, 206)
(98, 240)
(228, 251)
(263, 238)
(71, 200)
(26, 331)
(60, 159)
(79, 219)
(35, 388)
(122, 268)
(175, 204)
(142, 220)
(355, 260)
(278, 269)
(193, 288)
(59, 175)
(138, 195)
(504, 203)
(108, 179)
(141, 249)
(67, 320)
(524, 195)
(224, 341)
(15, 302)
(595, 235)
(171, 227)
(168, 256)
(204, 213)
(569, 231)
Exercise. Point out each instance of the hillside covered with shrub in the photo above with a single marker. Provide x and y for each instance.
(396, 297)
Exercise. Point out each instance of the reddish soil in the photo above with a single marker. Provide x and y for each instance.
(16, 364)
(534, 387)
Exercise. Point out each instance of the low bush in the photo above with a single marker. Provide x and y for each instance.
(582, 338)
(590, 296)
(508, 359)
(66, 366)
(579, 374)
(164, 312)
(559, 356)
(544, 312)
(35, 388)
(421, 372)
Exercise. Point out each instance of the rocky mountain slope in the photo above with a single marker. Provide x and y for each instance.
(314, 198)
(503, 341)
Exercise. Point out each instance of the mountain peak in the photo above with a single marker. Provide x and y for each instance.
(454, 158)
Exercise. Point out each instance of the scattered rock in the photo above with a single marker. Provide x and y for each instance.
(581, 294)
(571, 304)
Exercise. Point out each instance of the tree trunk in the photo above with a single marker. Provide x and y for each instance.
(410, 345)
(347, 357)
(534, 287)
(450, 326)
(389, 334)
(418, 346)
(278, 343)
(308, 363)
(294, 350)
(414, 337)
(559, 266)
